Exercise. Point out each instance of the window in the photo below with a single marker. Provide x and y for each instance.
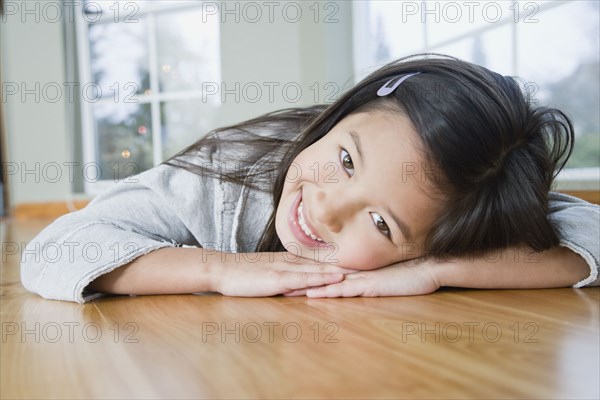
(143, 68)
(552, 46)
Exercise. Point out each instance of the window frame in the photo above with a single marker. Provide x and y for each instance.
(155, 98)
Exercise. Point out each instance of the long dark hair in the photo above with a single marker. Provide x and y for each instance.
(495, 151)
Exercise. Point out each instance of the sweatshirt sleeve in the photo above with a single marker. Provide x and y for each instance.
(577, 224)
(158, 208)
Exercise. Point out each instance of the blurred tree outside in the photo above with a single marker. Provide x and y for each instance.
(578, 95)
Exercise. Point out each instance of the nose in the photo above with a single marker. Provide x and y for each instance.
(334, 208)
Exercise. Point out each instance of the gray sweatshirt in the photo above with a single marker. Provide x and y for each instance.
(171, 207)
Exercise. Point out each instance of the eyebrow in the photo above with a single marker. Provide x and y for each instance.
(356, 139)
(401, 225)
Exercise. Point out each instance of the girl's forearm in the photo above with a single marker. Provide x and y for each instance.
(170, 270)
(191, 270)
(514, 268)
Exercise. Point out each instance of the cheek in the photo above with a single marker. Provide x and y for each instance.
(361, 257)
(367, 253)
(362, 262)
(308, 164)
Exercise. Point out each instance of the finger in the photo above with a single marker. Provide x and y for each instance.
(346, 288)
(314, 268)
(284, 261)
(326, 268)
(303, 280)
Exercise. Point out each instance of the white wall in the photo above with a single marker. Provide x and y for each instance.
(303, 53)
(33, 53)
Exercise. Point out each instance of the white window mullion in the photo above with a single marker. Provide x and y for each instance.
(89, 145)
(515, 52)
(425, 39)
(362, 55)
(154, 90)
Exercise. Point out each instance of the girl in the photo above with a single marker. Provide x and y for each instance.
(430, 172)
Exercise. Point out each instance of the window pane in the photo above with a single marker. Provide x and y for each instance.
(184, 122)
(450, 20)
(496, 51)
(124, 138)
(463, 49)
(559, 56)
(393, 32)
(119, 58)
(187, 50)
(491, 49)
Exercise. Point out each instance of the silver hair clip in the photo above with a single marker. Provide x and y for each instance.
(393, 83)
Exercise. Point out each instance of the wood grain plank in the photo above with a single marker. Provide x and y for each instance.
(53, 209)
(593, 196)
(454, 343)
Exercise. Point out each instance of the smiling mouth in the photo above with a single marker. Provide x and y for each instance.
(299, 226)
(305, 227)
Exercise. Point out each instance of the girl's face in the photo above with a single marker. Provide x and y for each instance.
(357, 197)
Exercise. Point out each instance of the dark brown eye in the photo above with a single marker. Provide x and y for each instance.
(380, 223)
(347, 162)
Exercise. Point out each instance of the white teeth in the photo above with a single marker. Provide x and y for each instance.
(304, 226)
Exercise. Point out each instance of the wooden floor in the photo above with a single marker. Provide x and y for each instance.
(452, 344)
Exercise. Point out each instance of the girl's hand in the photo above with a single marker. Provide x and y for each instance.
(413, 277)
(269, 274)
(516, 267)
